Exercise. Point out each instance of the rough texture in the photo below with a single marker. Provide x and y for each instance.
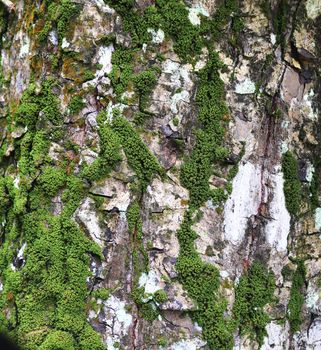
(160, 166)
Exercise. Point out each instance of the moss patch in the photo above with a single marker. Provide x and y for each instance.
(292, 184)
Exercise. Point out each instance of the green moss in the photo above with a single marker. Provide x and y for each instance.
(50, 291)
(188, 39)
(141, 117)
(4, 196)
(88, 75)
(201, 280)
(287, 273)
(67, 11)
(102, 293)
(175, 121)
(148, 311)
(109, 155)
(76, 104)
(144, 84)
(197, 169)
(73, 194)
(51, 180)
(254, 291)
(133, 218)
(296, 297)
(280, 20)
(43, 34)
(292, 184)
(122, 70)
(160, 296)
(172, 17)
(139, 157)
(58, 340)
(35, 102)
(89, 339)
(162, 341)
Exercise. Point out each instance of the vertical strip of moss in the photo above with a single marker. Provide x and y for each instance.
(296, 297)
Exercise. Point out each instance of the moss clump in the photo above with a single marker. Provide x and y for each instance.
(254, 291)
(102, 293)
(202, 281)
(109, 154)
(296, 297)
(172, 17)
(50, 290)
(66, 12)
(133, 218)
(76, 105)
(148, 311)
(197, 169)
(48, 293)
(139, 157)
(160, 296)
(51, 180)
(39, 103)
(292, 184)
(4, 196)
(122, 71)
(58, 340)
(188, 39)
(144, 84)
(123, 78)
(280, 20)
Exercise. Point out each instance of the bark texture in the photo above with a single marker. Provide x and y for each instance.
(160, 174)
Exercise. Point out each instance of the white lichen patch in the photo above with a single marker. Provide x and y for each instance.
(277, 337)
(21, 251)
(224, 274)
(313, 8)
(65, 44)
(284, 147)
(273, 38)
(310, 172)
(190, 344)
(278, 227)
(247, 86)
(117, 319)
(53, 37)
(306, 106)
(103, 6)
(201, 63)
(103, 58)
(317, 219)
(178, 97)
(111, 343)
(243, 202)
(150, 281)
(87, 216)
(194, 14)
(116, 315)
(16, 182)
(25, 46)
(179, 74)
(110, 110)
(92, 314)
(157, 35)
(312, 298)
